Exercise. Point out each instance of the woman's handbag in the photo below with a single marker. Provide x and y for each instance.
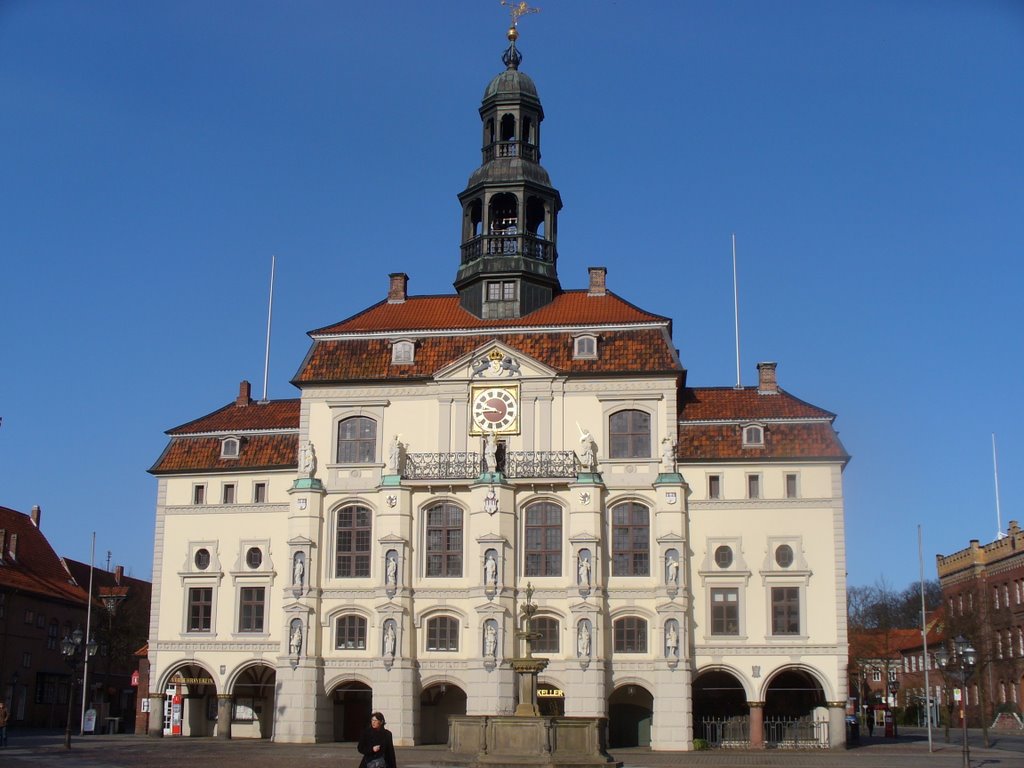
(377, 761)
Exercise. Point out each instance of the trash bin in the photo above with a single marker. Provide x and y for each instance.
(852, 729)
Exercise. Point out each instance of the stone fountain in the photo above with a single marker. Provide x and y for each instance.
(527, 738)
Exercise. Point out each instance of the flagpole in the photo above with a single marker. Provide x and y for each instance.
(924, 639)
(270, 315)
(88, 637)
(736, 310)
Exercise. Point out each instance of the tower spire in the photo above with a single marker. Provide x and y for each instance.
(513, 58)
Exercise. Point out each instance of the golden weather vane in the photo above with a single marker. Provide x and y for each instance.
(518, 9)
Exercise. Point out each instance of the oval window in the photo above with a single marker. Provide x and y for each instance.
(723, 557)
(202, 559)
(254, 557)
(784, 556)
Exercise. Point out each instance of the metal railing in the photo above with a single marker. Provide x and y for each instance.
(725, 732)
(518, 244)
(511, 149)
(796, 733)
(470, 464)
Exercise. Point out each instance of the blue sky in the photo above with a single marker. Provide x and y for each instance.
(866, 154)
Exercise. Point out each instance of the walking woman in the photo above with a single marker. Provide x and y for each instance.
(376, 745)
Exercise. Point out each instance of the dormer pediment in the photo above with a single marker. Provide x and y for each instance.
(495, 361)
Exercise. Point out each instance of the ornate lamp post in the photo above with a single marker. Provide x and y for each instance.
(894, 689)
(962, 663)
(74, 653)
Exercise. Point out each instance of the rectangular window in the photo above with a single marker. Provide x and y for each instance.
(251, 603)
(630, 635)
(543, 540)
(351, 633)
(229, 493)
(501, 290)
(714, 486)
(443, 634)
(876, 676)
(725, 612)
(259, 493)
(631, 540)
(444, 541)
(30, 616)
(790, 485)
(753, 486)
(547, 639)
(352, 558)
(199, 494)
(785, 610)
(26, 660)
(200, 609)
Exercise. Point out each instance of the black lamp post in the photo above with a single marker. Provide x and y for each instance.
(894, 689)
(962, 663)
(74, 653)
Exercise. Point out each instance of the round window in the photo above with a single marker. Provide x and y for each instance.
(784, 556)
(202, 559)
(723, 557)
(254, 557)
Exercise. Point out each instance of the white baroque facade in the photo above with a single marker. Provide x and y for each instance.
(370, 543)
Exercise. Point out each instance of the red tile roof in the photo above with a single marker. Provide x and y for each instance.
(35, 568)
(275, 414)
(642, 350)
(202, 454)
(793, 429)
(443, 313)
(716, 403)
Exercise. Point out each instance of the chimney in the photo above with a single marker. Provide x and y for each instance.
(767, 384)
(3, 543)
(244, 393)
(14, 546)
(397, 288)
(598, 281)
(118, 574)
(36, 515)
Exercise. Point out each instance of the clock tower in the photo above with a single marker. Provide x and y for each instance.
(509, 208)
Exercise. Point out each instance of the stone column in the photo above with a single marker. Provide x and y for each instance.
(836, 724)
(156, 714)
(223, 715)
(756, 724)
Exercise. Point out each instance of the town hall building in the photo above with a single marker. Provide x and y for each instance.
(369, 544)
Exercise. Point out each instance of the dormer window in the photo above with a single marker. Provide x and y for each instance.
(229, 447)
(403, 352)
(753, 436)
(584, 347)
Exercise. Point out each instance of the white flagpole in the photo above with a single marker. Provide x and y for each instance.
(736, 310)
(924, 639)
(995, 473)
(88, 637)
(270, 315)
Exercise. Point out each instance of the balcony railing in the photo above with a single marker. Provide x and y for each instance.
(511, 149)
(519, 244)
(520, 465)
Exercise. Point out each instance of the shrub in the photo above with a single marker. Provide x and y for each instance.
(699, 744)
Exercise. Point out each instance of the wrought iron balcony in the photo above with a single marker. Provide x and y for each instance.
(508, 244)
(519, 465)
(511, 149)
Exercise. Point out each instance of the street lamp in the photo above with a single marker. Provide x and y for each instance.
(894, 688)
(74, 653)
(962, 662)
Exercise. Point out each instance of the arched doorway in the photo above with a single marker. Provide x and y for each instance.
(550, 699)
(795, 712)
(252, 703)
(190, 702)
(437, 703)
(630, 710)
(353, 703)
(720, 711)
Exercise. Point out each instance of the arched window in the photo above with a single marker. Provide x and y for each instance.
(631, 540)
(357, 440)
(547, 630)
(352, 556)
(443, 634)
(753, 435)
(629, 433)
(444, 540)
(543, 539)
(508, 127)
(504, 214)
(350, 633)
(630, 635)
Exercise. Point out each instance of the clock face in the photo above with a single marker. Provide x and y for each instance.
(496, 409)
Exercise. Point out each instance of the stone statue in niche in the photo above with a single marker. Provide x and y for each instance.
(298, 570)
(391, 571)
(672, 571)
(491, 453)
(671, 640)
(490, 640)
(490, 570)
(394, 456)
(668, 455)
(389, 639)
(295, 638)
(307, 459)
(583, 641)
(584, 570)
